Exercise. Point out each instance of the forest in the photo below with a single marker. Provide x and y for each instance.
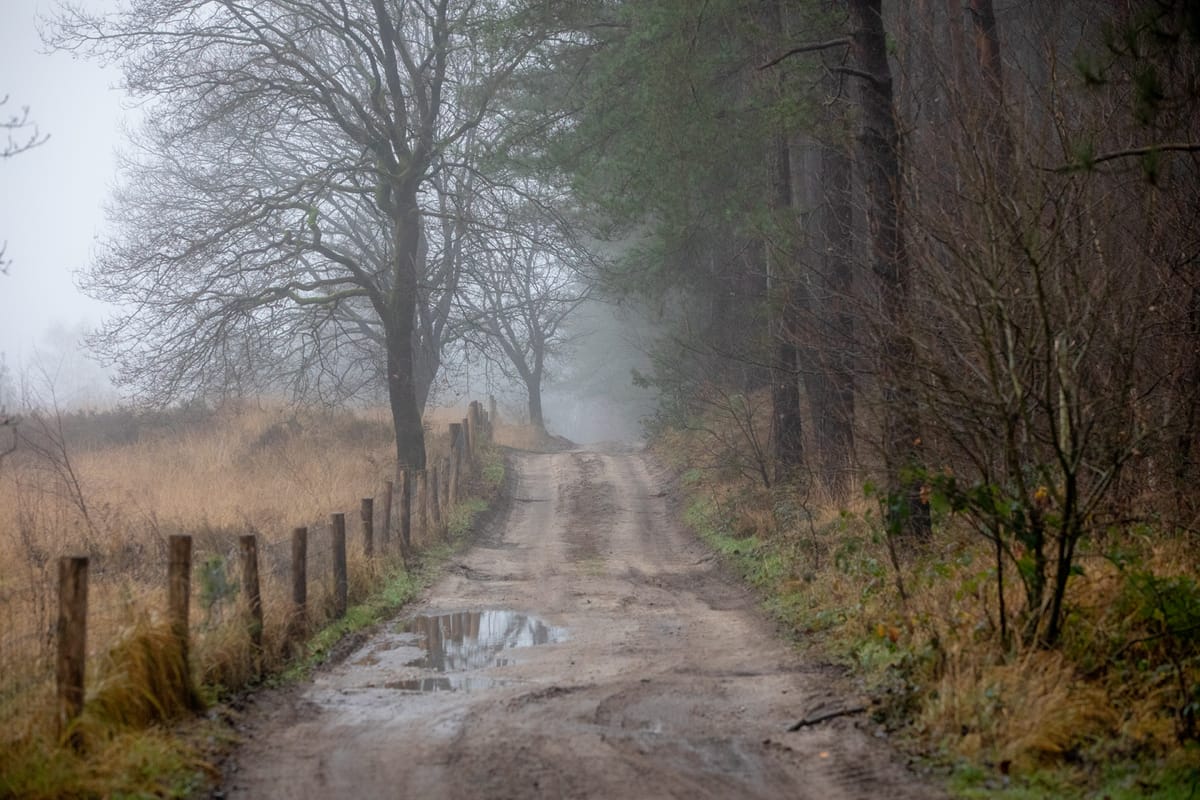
(915, 287)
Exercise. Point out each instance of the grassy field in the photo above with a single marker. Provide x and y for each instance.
(113, 486)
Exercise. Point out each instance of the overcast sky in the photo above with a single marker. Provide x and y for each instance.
(51, 203)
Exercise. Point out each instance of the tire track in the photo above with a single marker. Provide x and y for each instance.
(669, 684)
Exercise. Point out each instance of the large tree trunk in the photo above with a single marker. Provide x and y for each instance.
(533, 384)
(880, 143)
(785, 330)
(533, 388)
(426, 361)
(831, 390)
(1188, 394)
(399, 331)
(784, 306)
(994, 117)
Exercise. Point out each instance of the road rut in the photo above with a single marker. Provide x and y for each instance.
(586, 647)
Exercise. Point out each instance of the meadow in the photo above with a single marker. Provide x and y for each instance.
(114, 486)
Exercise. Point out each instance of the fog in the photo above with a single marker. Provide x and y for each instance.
(590, 396)
(51, 206)
(52, 213)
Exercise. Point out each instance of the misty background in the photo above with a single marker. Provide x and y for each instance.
(52, 214)
(51, 208)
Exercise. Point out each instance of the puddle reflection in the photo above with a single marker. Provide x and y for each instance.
(447, 683)
(475, 639)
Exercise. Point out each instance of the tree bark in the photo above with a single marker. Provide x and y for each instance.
(1188, 389)
(784, 307)
(785, 330)
(533, 386)
(399, 331)
(995, 120)
(880, 144)
(831, 392)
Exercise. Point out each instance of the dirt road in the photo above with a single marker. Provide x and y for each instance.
(586, 647)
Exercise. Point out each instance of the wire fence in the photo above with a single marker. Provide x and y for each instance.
(236, 603)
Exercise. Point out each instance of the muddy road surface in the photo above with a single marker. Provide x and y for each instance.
(586, 647)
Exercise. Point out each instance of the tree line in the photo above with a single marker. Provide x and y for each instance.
(315, 202)
(943, 247)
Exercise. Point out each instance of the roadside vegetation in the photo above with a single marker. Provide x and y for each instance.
(1108, 712)
(923, 281)
(113, 485)
(928, 284)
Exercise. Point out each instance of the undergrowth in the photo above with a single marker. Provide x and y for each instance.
(1109, 712)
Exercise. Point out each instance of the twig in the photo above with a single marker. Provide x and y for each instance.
(811, 720)
(1132, 152)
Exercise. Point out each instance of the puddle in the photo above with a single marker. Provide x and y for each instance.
(445, 683)
(473, 640)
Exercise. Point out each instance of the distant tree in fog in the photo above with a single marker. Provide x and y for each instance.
(521, 285)
(20, 134)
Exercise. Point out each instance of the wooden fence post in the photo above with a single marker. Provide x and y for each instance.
(468, 444)
(452, 477)
(341, 583)
(299, 621)
(71, 634)
(385, 541)
(473, 427)
(368, 526)
(252, 590)
(420, 504)
(444, 487)
(405, 509)
(435, 502)
(480, 424)
(464, 458)
(179, 594)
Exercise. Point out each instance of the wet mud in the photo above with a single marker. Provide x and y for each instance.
(588, 648)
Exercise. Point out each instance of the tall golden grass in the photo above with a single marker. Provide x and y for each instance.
(238, 470)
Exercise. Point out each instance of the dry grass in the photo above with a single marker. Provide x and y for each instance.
(115, 492)
(1020, 711)
(243, 470)
(1118, 687)
(144, 679)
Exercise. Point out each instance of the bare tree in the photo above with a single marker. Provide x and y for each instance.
(522, 290)
(279, 127)
(1050, 309)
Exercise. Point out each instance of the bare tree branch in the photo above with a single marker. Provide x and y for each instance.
(810, 47)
